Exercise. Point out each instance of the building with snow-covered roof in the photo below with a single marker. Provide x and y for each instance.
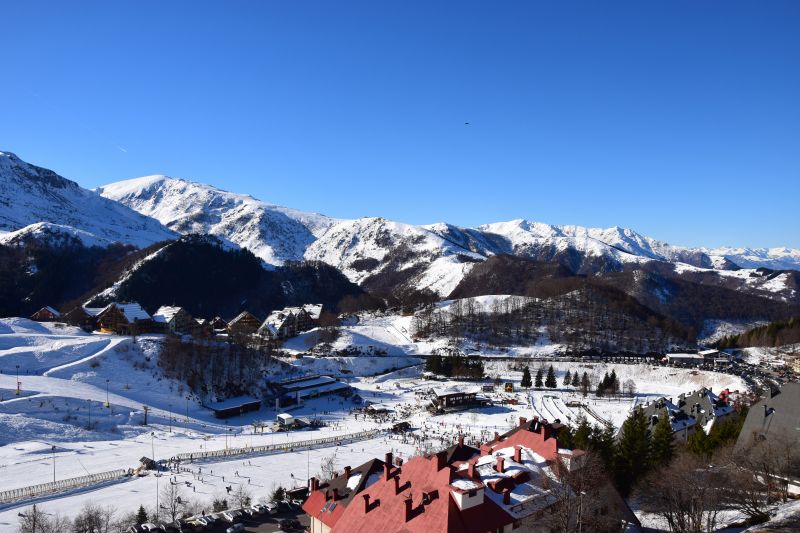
(444, 399)
(684, 359)
(124, 319)
(512, 483)
(174, 319)
(243, 324)
(290, 321)
(83, 317)
(46, 314)
(700, 408)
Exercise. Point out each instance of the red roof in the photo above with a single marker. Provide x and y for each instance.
(426, 482)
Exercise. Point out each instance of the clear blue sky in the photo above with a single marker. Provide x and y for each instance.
(680, 119)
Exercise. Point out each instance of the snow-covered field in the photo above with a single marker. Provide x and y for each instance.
(67, 377)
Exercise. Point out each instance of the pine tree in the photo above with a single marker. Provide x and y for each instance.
(585, 384)
(526, 378)
(633, 451)
(613, 383)
(550, 381)
(538, 383)
(141, 516)
(662, 446)
(582, 434)
(576, 379)
(698, 443)
(567, 379)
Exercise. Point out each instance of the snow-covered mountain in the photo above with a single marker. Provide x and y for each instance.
(379, 252)
(30, 195)
(273, 233)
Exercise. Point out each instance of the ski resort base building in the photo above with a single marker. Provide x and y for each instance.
(517, 482)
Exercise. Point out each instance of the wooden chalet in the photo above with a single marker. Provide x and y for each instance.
(46, 314)
(245, 323)
(125, 319)
(83, 317)
(175, 320)
(202, 328)
(219, 325)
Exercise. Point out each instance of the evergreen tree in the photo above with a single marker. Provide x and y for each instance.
(633, 451)
(613, 383)
(550, 381)
(699, 443)
(526, 378)
(141, 516)
(567, 378)
(582, 434)
(538, 383)
(585, 384)
(576, 379)
(602, 441)
(662, 446)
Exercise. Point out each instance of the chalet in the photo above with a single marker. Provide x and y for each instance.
(175, 320)
(46, 314)
(125, 319)
(83, 317)
(509, 484)
(219, 325)
(202, 328)
(701, 408)
(290, 321)
(684, 359)
(776, 418)
(245, 323)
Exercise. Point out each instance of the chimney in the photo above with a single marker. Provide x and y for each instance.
(441, 460)
(496, 436)
(518, 454)
(347, 472)
(471, 469)
(366, 503)
(397, 484)
(506, 496)
(460, 440)
(314, 484)
(408, 503)
(387, 465)
(500, 464)
(335, 494)
(522, 420)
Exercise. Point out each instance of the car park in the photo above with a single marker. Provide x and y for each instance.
(235, 528)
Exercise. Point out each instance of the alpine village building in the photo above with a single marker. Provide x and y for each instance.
(516, 482)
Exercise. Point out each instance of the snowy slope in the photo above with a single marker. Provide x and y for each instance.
(774, 258)
(53, 234)
(31, 194)
(273, 233)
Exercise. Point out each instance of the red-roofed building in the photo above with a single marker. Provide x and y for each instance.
(510, 484)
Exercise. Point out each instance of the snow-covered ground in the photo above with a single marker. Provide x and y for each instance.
(67, 377)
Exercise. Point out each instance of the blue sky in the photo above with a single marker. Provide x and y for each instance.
(679, 119)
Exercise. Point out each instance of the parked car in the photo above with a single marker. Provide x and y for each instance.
(232, 515)
(235, 528)
(152, 528)
(272, 508)
(135, 529)
(260, 508)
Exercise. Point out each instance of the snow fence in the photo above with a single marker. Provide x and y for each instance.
(281, 447)
(63, 485)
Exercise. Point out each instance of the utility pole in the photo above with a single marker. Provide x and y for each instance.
(108, 404)
(18, 391)
(146, 409)
(53, 449)
(155, 463)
